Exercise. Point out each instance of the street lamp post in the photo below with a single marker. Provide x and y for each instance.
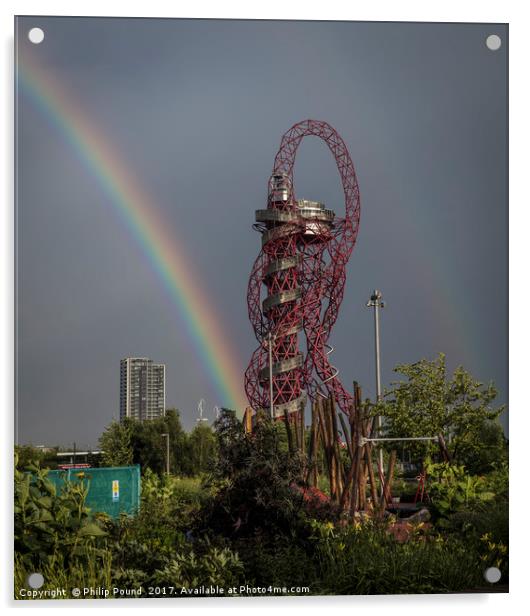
(376, 302)
(166, 435)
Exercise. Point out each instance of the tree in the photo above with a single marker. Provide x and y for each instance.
(178, 442)
(115, 442)
(484, 450)
(27, 454)
(202, 447)
(149, 447)
(428, 404)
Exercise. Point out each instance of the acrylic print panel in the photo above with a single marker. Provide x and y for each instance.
(261, 308)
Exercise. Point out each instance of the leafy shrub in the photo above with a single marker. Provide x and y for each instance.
(53, 528)
(169, 509)
(497, 480)
(484, 527)
(185, 563)
(275, 561)
(164, 489)
(484, 449)
(429, 401)
(366, 559)
(253, 481)
(474, 509)
(93, 572)
(56, 534)
(133, 562)
(452, 489)
(214, 567)
(160, 545)
(29, 455)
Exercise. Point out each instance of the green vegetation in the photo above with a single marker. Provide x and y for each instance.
(460, 409)
(116, 444)
(27, 455)
(235, 510)
(367, 559)
(451, 488)
(141, 442)
(55, 533)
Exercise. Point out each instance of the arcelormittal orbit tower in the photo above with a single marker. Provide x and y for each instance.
(297, 282)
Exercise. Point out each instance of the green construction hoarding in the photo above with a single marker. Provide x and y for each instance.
(113, 490)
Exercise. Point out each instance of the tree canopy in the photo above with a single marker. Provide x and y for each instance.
(141, 442)
(429, 402)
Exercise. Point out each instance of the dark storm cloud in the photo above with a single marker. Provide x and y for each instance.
(198, 109)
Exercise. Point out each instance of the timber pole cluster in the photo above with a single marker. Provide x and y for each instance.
(337, 448)
(339, 442)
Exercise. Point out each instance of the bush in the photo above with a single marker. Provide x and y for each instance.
(215, 566)
(275, 561)
(161, 546)
(169, 506)
(367, 559)
(452, 489)
(56, 534)
(474, 509)
(53, 528)
(253, 483)
(92, 572)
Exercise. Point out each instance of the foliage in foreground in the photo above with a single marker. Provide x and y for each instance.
(247, 524)
(51, 527)
(366, 559)
(475, 509)
(56, 534)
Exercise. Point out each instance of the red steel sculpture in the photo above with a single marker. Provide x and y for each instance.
(297, 282)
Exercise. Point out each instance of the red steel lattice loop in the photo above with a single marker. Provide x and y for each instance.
(297, 281)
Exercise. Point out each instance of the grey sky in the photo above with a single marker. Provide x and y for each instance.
(197, 109)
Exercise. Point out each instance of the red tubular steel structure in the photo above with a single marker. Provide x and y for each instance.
(297, 282)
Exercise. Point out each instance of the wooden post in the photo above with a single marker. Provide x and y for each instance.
(362, 484)
(348, 483)
(387, 489)
(339, 466)
(311, 449)
(326, 441)
(329, 442)
(380, 474)
(302, 431)
(349, 437)
(365, 427)
(371, 476)
(322, 432)
(293, 420)
(316, 450)
(288, 430)
(446, 456)
(247, 420)
(346, 435)
(358, 430)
